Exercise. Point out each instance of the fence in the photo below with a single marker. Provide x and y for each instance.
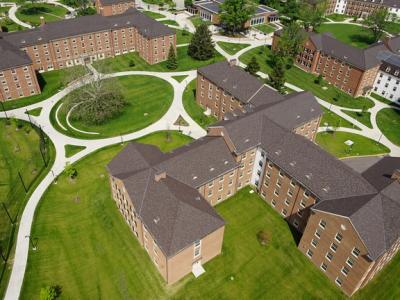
(20, 185)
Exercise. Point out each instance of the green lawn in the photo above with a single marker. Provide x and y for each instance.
(306, 82)
(266, 28)
(71, 150)
(35, 112)
(330, 119)
(384, 100)
(153, 15)
(362, 117)
(50, 83)
(31, 13)
(4, 10)
(334, 143)
(232, 48)
(193, 109)
(7, 25)
(148, 99)
(388, 121)
(179, 78)
(197, 21)
(353, 35)
(392, 27)
(185, 62)
(337, 17)
(170, 22)
(19, 152)
(183, 36)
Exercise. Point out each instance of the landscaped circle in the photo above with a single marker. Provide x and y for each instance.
(148, 99)
(31, 13)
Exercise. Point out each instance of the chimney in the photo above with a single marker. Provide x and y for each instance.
(160, 175)
(233, 62)
(396, 175)
(42, 21)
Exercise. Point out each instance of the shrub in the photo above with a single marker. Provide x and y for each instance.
(71, 172)
(263, 237)
(132, 63)
(50, 292)
(318, 80)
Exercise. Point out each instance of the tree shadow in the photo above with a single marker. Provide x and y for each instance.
(362, 38)
(35, 10)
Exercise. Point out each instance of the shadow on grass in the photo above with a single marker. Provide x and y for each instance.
(35, 10)
(362, 38)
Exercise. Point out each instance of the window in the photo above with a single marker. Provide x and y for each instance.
(306, 194)
(287, 202)
(290, 193)
(322, 224)
(338, 281)
(293, 183)
(295, 223)
(281, 174)
(345, 271)
(333, 247)
(324, 267)
(273, 203)
(276, 192)
(284, 212)
(318, 233)
(355, 252)
(338, 237)
(314, 242)
(350, 262)
(309, 253)
(197, 248)
(302, 203)
(329, 256)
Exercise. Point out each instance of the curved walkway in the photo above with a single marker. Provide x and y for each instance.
(13, 17)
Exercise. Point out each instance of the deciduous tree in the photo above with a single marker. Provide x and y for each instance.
(253, 67)
(277, 76)
(291, 42)
(235, 13)
(376, 22)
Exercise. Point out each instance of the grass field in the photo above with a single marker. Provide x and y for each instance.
(35, 112)
(183, 36)
(306, 82)
(388, 121)
(193, 109)
(392, 27)
(353, 35)
(19, 152)
(170, 22)
(330, 119)
(50, 83)
(148, 99)
(185, 62)
(153, 14)
(4, 10)
(31, 13)
(7, 25)
(334, 143)
(266, 28)
(362, 117)
(232, 48)
(197, 21)
(71, 150)
(337, 17)
(384, 100)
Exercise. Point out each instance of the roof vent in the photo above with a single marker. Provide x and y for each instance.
(156, 220)
(115, 25)
(309, 176)
(234, 86)
(312, 109)
(197, 198)
(194, 177)
(326, 189)
(226, 162)
(246, 140)
(293, 163)
(160, 175)
(298, 116)
(278, 152)
(212, 169)
(39, 38)
(23, 42)
(225, 80)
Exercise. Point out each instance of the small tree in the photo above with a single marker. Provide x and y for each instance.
(172, 62)
(376, 22)
(235, 13)
(50, 292)
(318, 80)
(277, 77)
(70, 171)
(201, 46)
(253, 67)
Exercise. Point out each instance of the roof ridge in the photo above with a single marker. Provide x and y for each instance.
(145, 191)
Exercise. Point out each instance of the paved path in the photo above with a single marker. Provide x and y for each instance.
(13, 17)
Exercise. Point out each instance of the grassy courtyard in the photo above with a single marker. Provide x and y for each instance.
(388, 121)
(148, 99)
(353, 35)
(133, 61)
(232, 48)
(193, 109)
(153, 14)
(362, 117)
(266, 28)
(331, 119)
(7, 25)
(19, 152)
(337, 17)
(334, 143)
(197, 21)
(183, 36)
(50, 83)
(306, 82)
(31, 13)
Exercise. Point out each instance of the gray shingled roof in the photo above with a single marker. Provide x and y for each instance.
(375, 217)
(238, 83)
(175, 214)
(87, 24)
(11, 56)
(379, 174)
(111, 2)
(394, 44)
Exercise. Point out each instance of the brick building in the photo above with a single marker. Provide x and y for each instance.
(363, 8)
(353, 70)
(209, 10)
(301, 181)
(17, 76)
(113, 7)
(67, 43)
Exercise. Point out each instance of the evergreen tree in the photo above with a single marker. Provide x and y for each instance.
(172, 62)
(277, 76)
(201, 46)
(235, 13)
(253, 67)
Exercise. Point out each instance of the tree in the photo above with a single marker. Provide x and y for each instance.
(172, 63)
(312, 13)
(70, 171)
(376, 22)
(277, 76)
(50, 292)
(201, 46)
(96, 102)
(188, 3)
(235, 13)
(291, 42)
(253, 67)
(291, 9)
